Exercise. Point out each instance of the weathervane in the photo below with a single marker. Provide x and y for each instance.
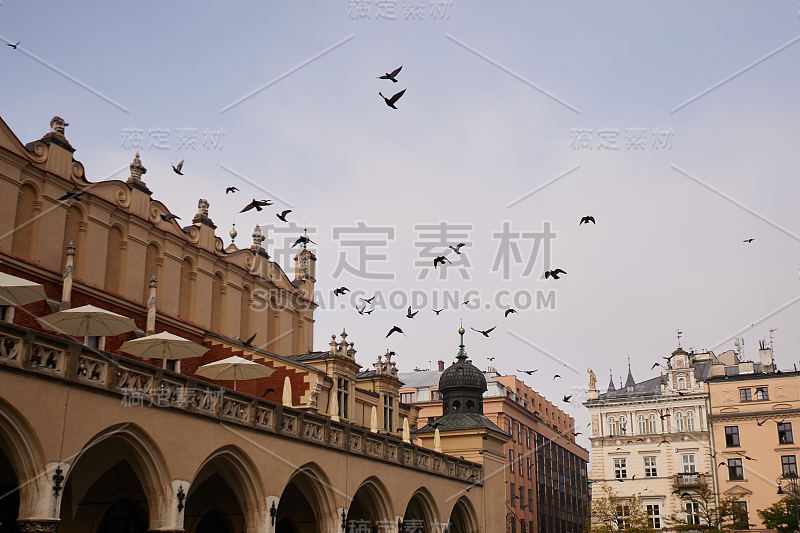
(678, 334)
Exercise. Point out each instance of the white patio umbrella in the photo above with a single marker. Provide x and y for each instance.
(87, 321)
(16, 291)
(235, 368)
(163, 345)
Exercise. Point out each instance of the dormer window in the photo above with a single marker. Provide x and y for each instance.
(681, 383)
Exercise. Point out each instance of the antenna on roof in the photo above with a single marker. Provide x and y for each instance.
(772, 336)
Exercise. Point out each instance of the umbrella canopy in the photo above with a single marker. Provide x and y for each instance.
(16, 291)
(87, 321)
(235, 368)
(163, 345)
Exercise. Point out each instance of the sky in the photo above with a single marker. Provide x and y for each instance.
(673, 124)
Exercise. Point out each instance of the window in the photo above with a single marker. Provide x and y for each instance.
(741, 520)
(642, 424)
(521, 470)
(530, 468)
(651, 422)
(620, 468)
(690, 421)
(692, 513)
(623, 426)
(513, 492)
(789, 465)
(681, 383)
(612, 426)
(522, 497)
(343, 396)
(623, 516)
(519, 433)
(511, 461)
(680, 424)
(406, 397)
(687, 461)
(735, 470)
(745, 395)
(785, 433)
(92, 342)
(530, 501)
(762, 393)
(436, 396)
(388, 412)
(6, 314)
(654, 515)
(650, 469)
(732, 436)
(528, 438)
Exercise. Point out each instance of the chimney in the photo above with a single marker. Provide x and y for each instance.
(441, 365)
(765, 356)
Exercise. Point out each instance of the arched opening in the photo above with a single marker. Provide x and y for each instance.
(186, 300)
(369, 509)
(72, 232)
(420, 514)
(9, 495)
(218, 303)
(305, 505)
(114, 260)
(246, 315)
(224, 496)
(151, 261)
(462, 518)
(125, 516)
(25, 222)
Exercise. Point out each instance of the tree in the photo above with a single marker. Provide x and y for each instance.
(705, 513)
(613, 513)
(780, 516)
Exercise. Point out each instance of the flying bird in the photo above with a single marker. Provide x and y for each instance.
(394, 329)
(439, 260)
(465, 302)
(665, 441)
(490, 358)
(269, 389)
(368, 300)
(283, 214)
(566, 398)
(553, 273)
(178, 169)
(256, 204)
(557, 376)
(529, 372)
(363, 311)
(168, 217)
(14, 46)
(722, 463)
(340, 291)
(655, 365)
(437, 311)
(249, 342)
(229, 190)
(587, 219)
(393, 100)
(409, 314)
(457, 247)
(484, 332)
(748, 241)
(509, 311)
(391, 75)
(71, 196)
(302, 240)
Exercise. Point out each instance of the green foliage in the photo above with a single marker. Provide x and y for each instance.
(780, 516)
(613, 513)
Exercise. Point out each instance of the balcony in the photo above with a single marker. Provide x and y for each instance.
(688, 480)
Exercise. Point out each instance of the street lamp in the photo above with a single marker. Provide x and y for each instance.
(792, 482)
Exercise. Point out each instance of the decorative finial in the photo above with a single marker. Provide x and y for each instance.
(258, 237)
(344, 334)
(678, 334)
(462, 354)
(137, 168)
(305, 241)
(233, 233)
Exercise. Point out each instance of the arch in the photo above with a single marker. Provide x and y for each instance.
(218, 311)
(115, 259)
(612, 426)
(186, 300)
(136, 453)
(22, 448)
(370, 503)
(152, 260)
(73, 223)
(422, 507)
(246, 313)
(652, 424)
(690, 422)
(463, 518)
(26, 223)
(306, 504)
(229, 469)
(642, 424)
(679, 421)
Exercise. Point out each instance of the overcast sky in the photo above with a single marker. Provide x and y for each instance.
(673, 124)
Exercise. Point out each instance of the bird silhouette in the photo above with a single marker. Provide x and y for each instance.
(484, 332)
(282, 215)
(722, 463)
(437, 311)
(509, 311)
(490, 358)
(557, 376)
(340, 291)
(587, 219)
(178, 169)
(363, 311)
(465, 302)
(566, 398)
(665, 441)
(395, 329)
(529, 372)
(392, 75)
(229, 190)
(393, 100)
(554, 273)
(14, 46)
(167, 217)
(368, 300)
(302, 240)
(409, 314)
(71, 196)
(249, 342)
(748, 241)
(655, 365)
(256, 204)
(439, 260)
(457, 247)
(269, 389)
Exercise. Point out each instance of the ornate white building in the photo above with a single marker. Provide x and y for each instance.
(651, 438)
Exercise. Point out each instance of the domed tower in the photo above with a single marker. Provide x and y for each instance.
(462, 385)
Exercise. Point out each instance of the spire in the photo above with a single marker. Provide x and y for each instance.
(462, 354)
(630, 383)
(611, 387)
